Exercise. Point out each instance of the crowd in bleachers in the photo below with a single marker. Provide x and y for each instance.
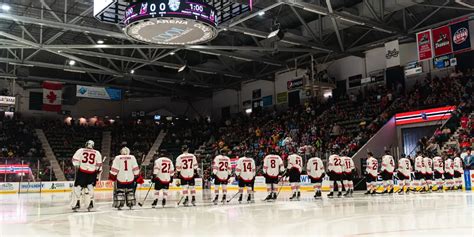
(19, 145)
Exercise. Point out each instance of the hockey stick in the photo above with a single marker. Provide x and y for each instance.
(235, 195)
(281, 186)
(141, 204)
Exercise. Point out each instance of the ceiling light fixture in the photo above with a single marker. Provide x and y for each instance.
(72, 62)
(273, 34)
(100, 41)
(182, 68)
(261, 13)
(351, 21)
(132, 71)
(6, 7)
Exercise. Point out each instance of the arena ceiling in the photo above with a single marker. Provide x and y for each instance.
(38, 37)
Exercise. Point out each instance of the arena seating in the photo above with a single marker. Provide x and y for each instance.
(19, 145)
(66, 139)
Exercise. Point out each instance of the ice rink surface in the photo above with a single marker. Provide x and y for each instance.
(435, 214)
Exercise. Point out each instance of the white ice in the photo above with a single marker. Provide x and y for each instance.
(435, 214)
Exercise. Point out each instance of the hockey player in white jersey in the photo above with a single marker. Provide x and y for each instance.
(403, 174)
(186, 168)
(449, 173)
(386, 171)
(87, 163)
(294, 169)
(335, 174)
(124, 172)
(316, 173)
(272, 167)
(438, 168)
(221, 171)
(163, 171)
(420, 173)
(428, 163)
(371, 170)
(349, 172)
(245, 172)
(458, 171)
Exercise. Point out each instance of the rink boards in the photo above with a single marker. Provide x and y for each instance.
(65, 186)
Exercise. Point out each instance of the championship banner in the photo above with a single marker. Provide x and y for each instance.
(460, 37)
(15, 169)
(424, 47)
(392, 53)
(442, 41)
(52, 95)
(423, 116)
(7, 100)
(98, 93)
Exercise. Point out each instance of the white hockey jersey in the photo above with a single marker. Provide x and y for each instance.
(221, 167)
(419, 165)
(315, 168)
(186, 164)
(87, 160)
(335, 164)
(404, 166)
(245, 169)
(428, 163)
(125, 167)
(273, 165)
(295, 162)
(438, 164)
(388, 164)
(372, 166)
(458, 165)
(163, 170)
(449, 166)
(347, 164)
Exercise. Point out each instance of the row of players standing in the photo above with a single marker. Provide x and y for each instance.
(446, 172)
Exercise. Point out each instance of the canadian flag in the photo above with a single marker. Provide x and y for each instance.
(52, 94)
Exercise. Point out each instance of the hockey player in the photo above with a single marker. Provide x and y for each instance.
(348, 175)
(221, 171)
(272, 167)
(335, 174)
(245, 172)
(372, 173)
(438, 167)
(315, 170)
(403, 174)
(428, 163)
(386, 171)
(458, 170)
(87, 163)
(449, 173)
(420, 172)
(163, 171)
(294, 169)
(124, 171)
(186, 168)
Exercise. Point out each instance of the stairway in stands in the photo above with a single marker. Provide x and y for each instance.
(156, 145)
(58, 172)
(105, 151)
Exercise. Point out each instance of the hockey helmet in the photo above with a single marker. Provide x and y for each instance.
(89, 144)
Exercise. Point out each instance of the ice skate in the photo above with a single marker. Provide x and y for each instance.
(298, 195)
(240, 198)
(216, 199)
(347, 194)
(163, 202)
(339, 194)
(186, 202)
(249, 198)
(331, 195)
(224, 198)
(193, 201)
(268, 198)
(91, 206)
(293, 197)
(77, 207)
(153, 205)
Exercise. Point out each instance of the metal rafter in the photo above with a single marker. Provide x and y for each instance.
(334, 24)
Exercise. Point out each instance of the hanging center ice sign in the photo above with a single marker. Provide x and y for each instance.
(423, 116)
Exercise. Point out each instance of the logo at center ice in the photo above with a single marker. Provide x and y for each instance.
(174, 4)
(82, 90)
